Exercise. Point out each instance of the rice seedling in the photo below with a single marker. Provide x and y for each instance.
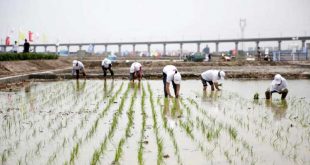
(170, 130)
(140, 150)
(206, 121)
(74, 153)
(209, 134)
(117, 113)
(3, 157)
(98, 152)
(95, 158)
(119, 150)
(256, 96)
(111, 100)
(52, 158)
(38, 148)
(233, 133)
(189, 125)
(16, 144)
(155, 127)
(34, 132)
(227, 156)
(93, 129)
(82, 123)
(130, 117)
(188, 129)
(130, 113)
(64, 142)
(140, 154)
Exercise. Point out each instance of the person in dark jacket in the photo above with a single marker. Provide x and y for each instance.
(26, 46)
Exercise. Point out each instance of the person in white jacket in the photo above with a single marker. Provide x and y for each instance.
(77, 67)
(15, 47)
(106, 64)
(171, 75)
(135, 72)
(278, 85)
(212, 77)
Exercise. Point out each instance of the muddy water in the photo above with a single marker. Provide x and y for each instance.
(89, 121)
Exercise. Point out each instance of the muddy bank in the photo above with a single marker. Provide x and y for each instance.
(13, 68)
(23, 71)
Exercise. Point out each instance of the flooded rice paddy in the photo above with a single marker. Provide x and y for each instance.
(113, 122)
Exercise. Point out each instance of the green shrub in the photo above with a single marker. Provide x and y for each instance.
(26, 56)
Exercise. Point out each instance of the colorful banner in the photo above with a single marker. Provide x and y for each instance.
(44, 38)
(21, 36)
(7, 40)
(30, 33)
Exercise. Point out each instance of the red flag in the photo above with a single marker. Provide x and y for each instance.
(30, 36)
(7, 40)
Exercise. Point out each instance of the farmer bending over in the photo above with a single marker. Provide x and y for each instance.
(278, 85)
(77, 68)
(106, 64)
(171, 75)
(135, 71)
(212, 77)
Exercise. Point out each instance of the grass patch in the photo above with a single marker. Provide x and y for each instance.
(27, 56)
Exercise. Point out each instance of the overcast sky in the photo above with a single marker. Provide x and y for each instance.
(141, 20)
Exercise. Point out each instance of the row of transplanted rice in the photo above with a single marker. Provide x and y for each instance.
(97, 122)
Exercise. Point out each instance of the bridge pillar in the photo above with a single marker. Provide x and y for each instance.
(134, 49)
(279, 45)
(236, 47)
(257, 44)
(93, 50)
(4, 48)
(120, 49)
(198, 47)
(181, 50)
(303, 44)
(149, 49)
(45, 49)
(217, 47)
(164, 52)
(34, 49)
(80, 47)
(105, 49)
(68, 48)
(56, 47)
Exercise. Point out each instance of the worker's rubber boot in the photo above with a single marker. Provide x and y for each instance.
(268, 94)
(284, 93)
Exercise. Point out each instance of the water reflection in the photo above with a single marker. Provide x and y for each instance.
(80, 87)
(278, 108)
(172, 114)
(133, 85)
(30, 97)
(105, 89)
(210, 97)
